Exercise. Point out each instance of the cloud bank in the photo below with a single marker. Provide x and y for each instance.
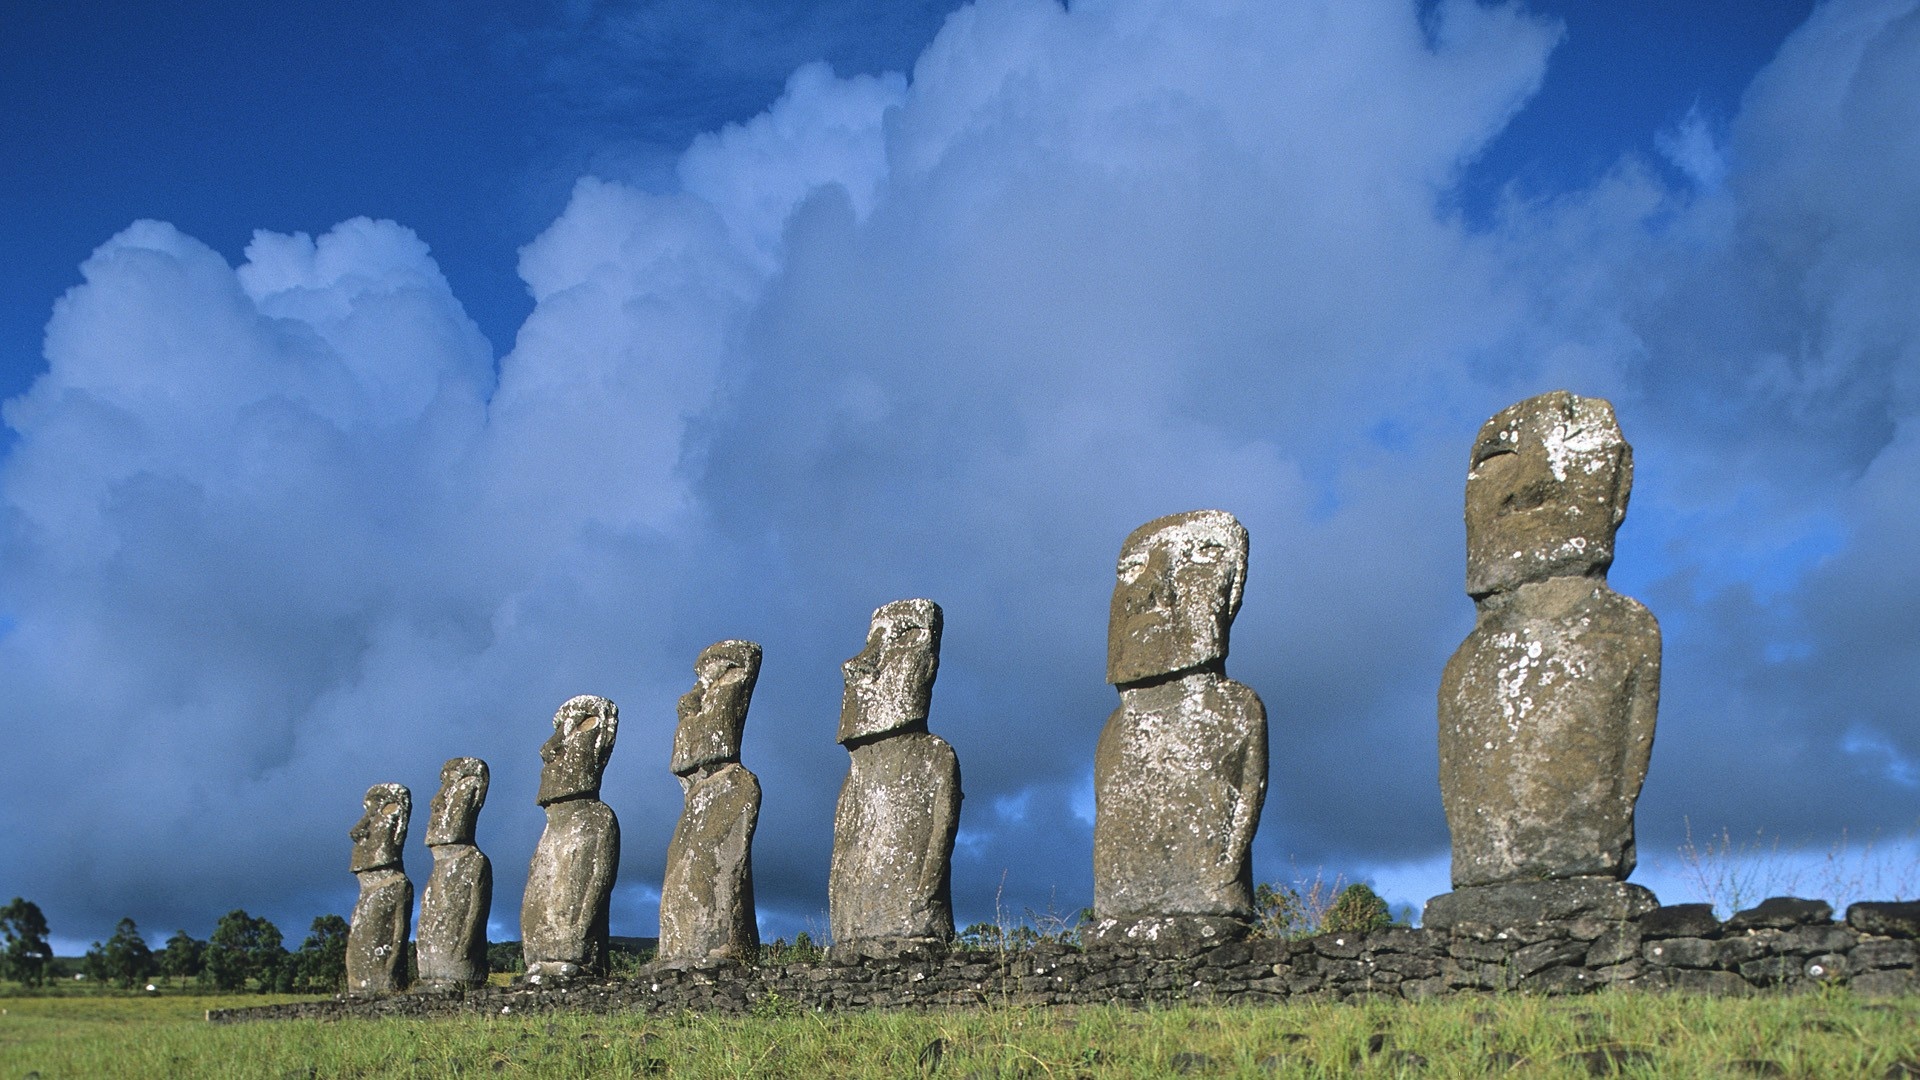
(275, 532)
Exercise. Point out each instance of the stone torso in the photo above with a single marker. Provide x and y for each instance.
(1180, 775)
(1546, 724)
(564, 918)
(893, 840)
(452, 944)
(377, 940)
(706, 896)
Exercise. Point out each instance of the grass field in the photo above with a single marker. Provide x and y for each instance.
(1623, 1034)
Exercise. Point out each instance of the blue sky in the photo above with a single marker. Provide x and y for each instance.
(378, 380)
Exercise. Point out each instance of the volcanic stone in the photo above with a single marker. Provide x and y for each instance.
(564, 915)
(1180, 772)
(1547, 709)
(1886, 919)
(451, 950)
(706, 897)
(1522, 903)
(377, 933)
(1780, 913)
(893, 830)
(1680, 920)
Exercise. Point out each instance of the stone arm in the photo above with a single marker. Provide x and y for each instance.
(1643, 706)
(935, 863)
(1251, 783)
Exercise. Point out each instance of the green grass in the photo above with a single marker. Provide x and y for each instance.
(1812, 1036)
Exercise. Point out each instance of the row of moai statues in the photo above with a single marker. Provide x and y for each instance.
(1546, 726)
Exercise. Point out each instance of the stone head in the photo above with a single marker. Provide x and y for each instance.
(1546, 490)
(576, 755)
(714, 713)
(1179, 587)
(380, 835)
(890, 682)
(456, 806)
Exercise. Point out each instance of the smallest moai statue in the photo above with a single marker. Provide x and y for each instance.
(452, 947)
(706, 896)
(891, 879)
(564, 916)
(377, 936)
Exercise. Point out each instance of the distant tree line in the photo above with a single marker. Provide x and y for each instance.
(244, 952)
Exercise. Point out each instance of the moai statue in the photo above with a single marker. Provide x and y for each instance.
(451, 950)
(377, 936)
(563, 918)
(1180, 772)
(706, 897)
(891, 881)
(1547, 708)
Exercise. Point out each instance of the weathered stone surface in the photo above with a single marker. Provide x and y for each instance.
(1680, 920)
(889, 684)
(1180, 772)
(1780, 913)
(564, 915)
(706, 896)
(377, 933)
(451, 949)
(713, 715)
(891, 875)
(1887, 919)
(1547, 709)
(1521, 903)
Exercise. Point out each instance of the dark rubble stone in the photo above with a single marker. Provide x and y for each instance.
(1780, 913)
(1679, 920)
(1886, 919)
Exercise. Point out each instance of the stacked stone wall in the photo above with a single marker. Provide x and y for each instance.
(1781, 946)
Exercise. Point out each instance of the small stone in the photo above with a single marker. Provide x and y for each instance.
(378, 931)
(1780, 913)
(1886, 919)
(1679, 920)
(1187, 1061)
(1180, 771)
(1608, 1060)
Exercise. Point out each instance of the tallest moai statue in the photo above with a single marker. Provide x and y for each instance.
(1547, 708)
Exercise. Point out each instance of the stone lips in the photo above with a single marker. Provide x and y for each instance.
(1547, 709)
(893, 830)
(706, 895)
(451, 948)
(1180, 772)
(889, 684)
(713, 715)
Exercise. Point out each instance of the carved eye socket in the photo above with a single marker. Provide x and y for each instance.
(1488, 449)
(1206, 553)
